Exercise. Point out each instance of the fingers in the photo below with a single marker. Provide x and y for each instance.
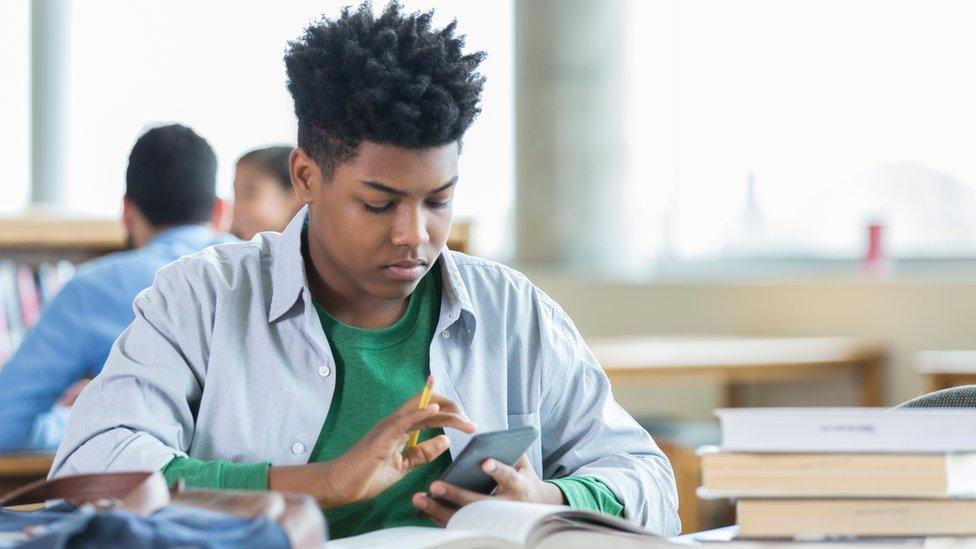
(454, 494)
(445, 403)
(426, 452)
(508, 478)
(429, 417)
(523, 463)
(437, 511)
(390, 434)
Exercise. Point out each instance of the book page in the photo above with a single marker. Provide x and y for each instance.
(412, 536)
(511, 520)
(587, 539)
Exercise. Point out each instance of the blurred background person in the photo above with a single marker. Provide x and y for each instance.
(169, 209)
(263, 197)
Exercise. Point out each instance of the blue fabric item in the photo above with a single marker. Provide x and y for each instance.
(76, 330)
(63, 526)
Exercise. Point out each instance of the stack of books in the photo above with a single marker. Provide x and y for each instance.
(830, 473)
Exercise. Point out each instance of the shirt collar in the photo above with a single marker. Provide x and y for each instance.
(288, 278)
(288, 267)
(455, 301)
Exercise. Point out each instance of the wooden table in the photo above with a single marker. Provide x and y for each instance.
(17, 470)
(944, 369)
(737, 361)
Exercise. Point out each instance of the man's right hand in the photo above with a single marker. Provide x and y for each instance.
(378, 460)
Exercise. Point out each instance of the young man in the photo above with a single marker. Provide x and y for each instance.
(169, 203)
(289, 362)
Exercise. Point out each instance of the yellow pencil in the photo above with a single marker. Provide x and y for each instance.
(424, 401)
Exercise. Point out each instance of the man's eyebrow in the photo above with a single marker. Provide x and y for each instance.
(397, 192)
(446, 186)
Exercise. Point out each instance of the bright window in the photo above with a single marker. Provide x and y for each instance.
(14, 104)
(217, 66)
(839, 112)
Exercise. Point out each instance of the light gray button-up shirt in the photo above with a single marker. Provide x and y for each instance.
(226, 359)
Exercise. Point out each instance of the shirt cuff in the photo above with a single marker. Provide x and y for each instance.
(589, 494)
(221, 475)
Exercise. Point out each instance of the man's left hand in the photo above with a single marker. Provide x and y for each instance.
(518, 483)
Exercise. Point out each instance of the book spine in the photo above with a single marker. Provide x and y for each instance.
(30, 300)
(23, 293)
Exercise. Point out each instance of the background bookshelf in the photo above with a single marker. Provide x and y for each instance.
(42, 235)
(40, 246)
(46, 235)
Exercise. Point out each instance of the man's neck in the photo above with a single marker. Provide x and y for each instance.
(147, 233)
(343, 301)
(361, 313)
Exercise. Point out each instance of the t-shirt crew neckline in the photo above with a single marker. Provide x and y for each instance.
(379, 338)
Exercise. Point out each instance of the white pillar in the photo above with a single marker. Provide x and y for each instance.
(570, 159)
(50, 63)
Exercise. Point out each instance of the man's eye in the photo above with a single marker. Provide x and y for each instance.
(438, 205)
(378, 209)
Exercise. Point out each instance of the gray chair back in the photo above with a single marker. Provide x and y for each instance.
(963, 396)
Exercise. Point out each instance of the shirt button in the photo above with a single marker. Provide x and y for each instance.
(297, 448)
(324, 371)
(446, 334)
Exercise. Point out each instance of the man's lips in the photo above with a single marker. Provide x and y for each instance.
(408, 263)
(406, 270)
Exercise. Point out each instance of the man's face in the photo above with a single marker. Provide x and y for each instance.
(380, 222)
(260, 202)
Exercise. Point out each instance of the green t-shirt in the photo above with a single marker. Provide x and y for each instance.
(376, 372)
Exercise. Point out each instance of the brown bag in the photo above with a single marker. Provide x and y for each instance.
(143, 493)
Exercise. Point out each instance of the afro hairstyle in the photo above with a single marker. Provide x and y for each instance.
(391, 79)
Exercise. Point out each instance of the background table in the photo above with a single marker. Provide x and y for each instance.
(17, 470)
(944, 369)
(734, 362)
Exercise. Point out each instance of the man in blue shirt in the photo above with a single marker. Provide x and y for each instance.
(169, 205)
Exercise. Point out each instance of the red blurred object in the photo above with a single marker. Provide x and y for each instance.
(875, 252)
(875, 261)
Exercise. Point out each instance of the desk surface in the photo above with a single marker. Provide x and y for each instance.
(25, 465)
(695, 355)
(946, 362)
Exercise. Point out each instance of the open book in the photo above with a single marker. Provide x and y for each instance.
(498, 524)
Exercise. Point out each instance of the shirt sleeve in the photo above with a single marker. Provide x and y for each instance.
(52, 356)
(585, 433)
(218, 475)
(138, 413)
(589, 494)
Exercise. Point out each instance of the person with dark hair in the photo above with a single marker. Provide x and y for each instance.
(263, 197)
(292, 362)
(169, 203)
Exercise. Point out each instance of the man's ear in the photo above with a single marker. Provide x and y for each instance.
(306, 176)
(220, 217)
(129, 213)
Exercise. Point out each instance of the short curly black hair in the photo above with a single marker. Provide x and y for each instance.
(390, 79)
(172, 176)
